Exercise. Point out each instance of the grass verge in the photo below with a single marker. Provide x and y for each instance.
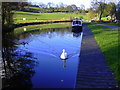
(107, 40)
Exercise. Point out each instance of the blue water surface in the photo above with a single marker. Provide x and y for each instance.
(46, 46)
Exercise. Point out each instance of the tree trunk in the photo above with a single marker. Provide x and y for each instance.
(100, 15)
(111, 17)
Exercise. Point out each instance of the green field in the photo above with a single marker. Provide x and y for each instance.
(107, 40)
(44, 17)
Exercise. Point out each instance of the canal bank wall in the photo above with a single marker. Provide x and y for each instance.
(35, 23)
(6, 29)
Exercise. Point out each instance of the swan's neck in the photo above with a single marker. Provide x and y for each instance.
(63, 50)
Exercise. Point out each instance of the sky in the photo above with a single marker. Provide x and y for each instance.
(68, 2)
(86, 3)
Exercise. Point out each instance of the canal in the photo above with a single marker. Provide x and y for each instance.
(32, 59)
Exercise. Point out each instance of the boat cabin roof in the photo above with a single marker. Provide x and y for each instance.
(77, 21)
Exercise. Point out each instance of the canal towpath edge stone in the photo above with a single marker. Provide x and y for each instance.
(93, 71)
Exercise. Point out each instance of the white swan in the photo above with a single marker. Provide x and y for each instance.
(63, 55)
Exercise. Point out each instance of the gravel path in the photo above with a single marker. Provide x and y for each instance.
(110, 26)
(93, 72)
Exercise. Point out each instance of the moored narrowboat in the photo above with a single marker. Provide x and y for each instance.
(77, 25)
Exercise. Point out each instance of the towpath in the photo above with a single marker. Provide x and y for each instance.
(93, 72)
(110, 26)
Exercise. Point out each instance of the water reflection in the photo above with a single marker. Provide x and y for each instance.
(46, 45)
(77, 34)
(64, 64)
(17, 64)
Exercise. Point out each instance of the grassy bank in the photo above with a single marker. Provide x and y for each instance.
(107, 40)
(41, 26)
(44, 17)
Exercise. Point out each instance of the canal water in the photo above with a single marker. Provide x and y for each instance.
(32, 59)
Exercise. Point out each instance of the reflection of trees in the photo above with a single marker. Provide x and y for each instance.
(17, 65)
(48, 32)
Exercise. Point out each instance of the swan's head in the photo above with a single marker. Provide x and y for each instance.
(63, 50)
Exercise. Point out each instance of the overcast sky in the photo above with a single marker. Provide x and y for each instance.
(86, 3)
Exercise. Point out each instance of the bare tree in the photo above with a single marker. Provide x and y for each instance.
(118, 11)
(74, 7)
(99, 7)
(82, 7)
(42, 5)
(50, 4)
(112, 9)
(69, 8)
(62, 5)
(92, 13)
(57, 7)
